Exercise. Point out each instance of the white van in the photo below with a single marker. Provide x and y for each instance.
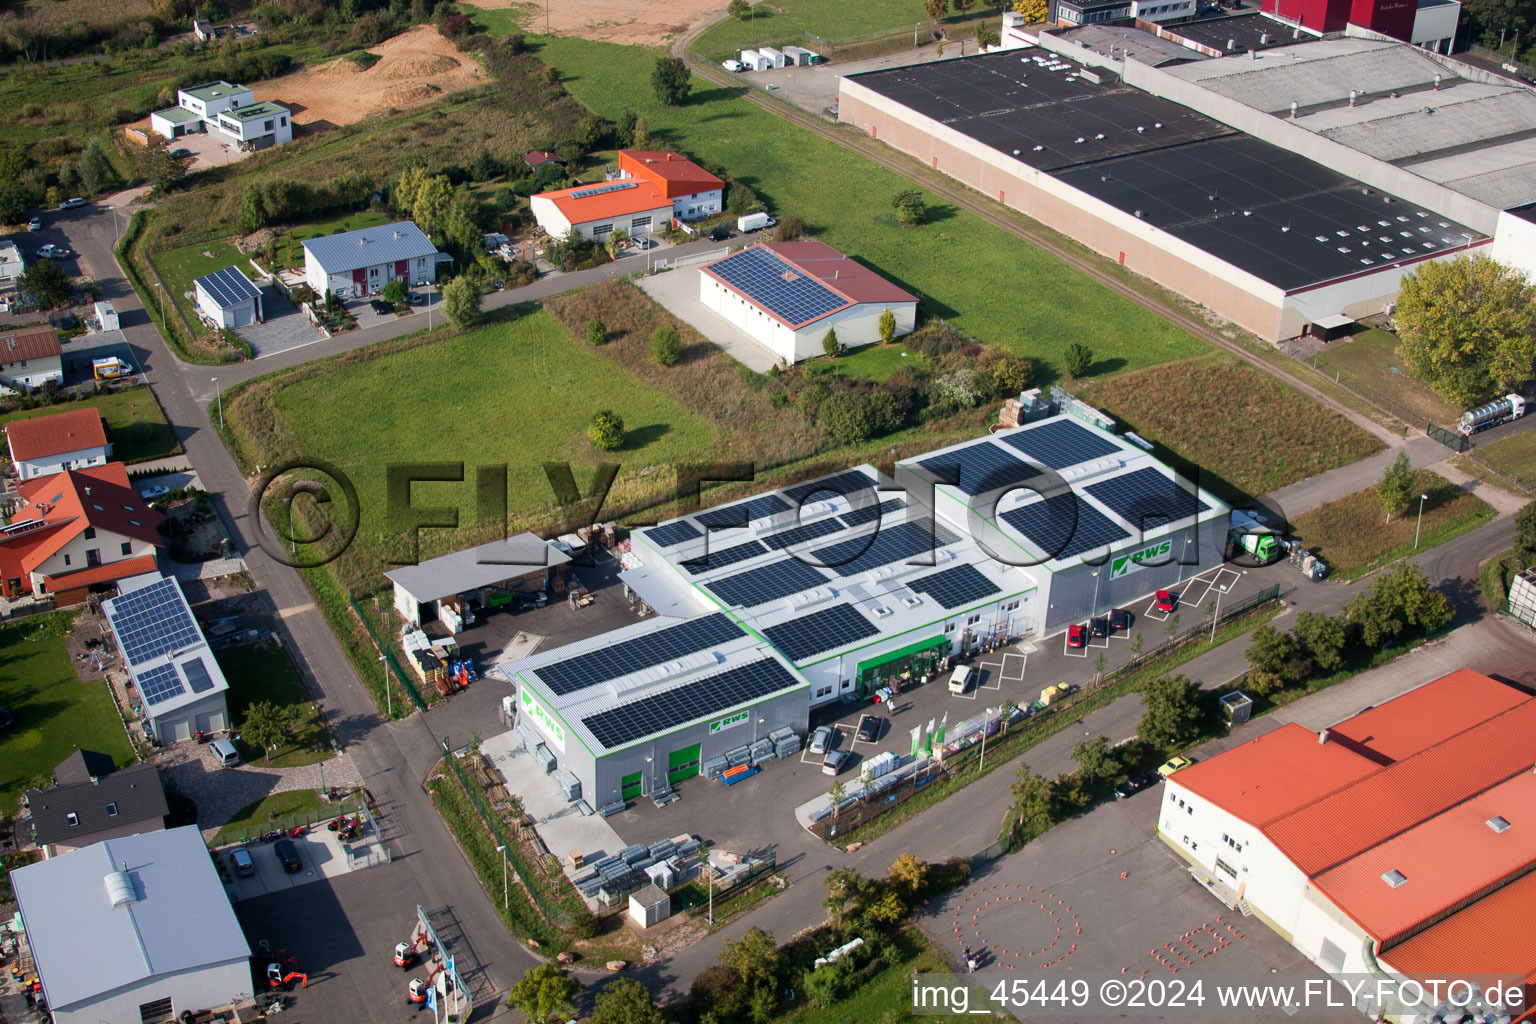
(960, 679)
(225, 753)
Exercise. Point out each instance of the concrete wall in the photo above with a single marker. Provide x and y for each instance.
(1365, 294)
(1514, 243)
(1318, 919)
(238, 315)
(200, 989)
(736, 310)
(281, 129)
(28, 468)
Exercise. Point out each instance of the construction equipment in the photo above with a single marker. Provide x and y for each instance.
(283, 969)
(416, 992)
(405, 954)
(1510, 407)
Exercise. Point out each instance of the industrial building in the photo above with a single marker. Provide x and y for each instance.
(786, 296)
(1395, 841)
(227, 298)
(357, 264)
(1237, 209)
(648, 192)
(453, 587)
(134, 929)
(172, 667)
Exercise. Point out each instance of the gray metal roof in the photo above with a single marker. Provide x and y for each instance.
(123, 797)
(179, 921)
(369, 247)
(228, 287)
(1323, 71)
(1130, 42)
(477, 567)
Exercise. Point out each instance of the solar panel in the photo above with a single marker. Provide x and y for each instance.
(1060, 443)
(688, 703)
(895, 544)
(955, 587)
(640, 652)
(152, 621)
(197, 675)
(743, 512)
(828, 629)
(722, 557)
(160, 683)
(1050, 525)
(845, 484)
(1147, 499)
(228, 286)
(776, 286)
(672, 533)
(979, 467)
(802, 532)
(767, 583)
(869, 513)
(617, 186)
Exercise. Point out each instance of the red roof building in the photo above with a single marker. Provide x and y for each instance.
(676, 175)
(648, 192)
(43, 445)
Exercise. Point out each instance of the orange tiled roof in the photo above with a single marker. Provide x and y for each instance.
(673, 173)
(583, 209)
(110, 505)
(1422, 717)
(61, 432)
(23, 343)
(101, 573)
(1492, 935)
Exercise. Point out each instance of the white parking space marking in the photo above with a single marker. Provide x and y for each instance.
(862, 719)
(1022, 660)
(1067, 650)
(992, 672)
(1098, 641)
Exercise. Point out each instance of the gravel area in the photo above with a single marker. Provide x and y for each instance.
(220, 792)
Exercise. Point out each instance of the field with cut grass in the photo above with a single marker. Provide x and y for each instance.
(289, 248)
(1353, 535)
(877, 362)
(137, 425)
(1514, 458)
(1368, 364)
(263, 672)
(252, 820)
(806, 21)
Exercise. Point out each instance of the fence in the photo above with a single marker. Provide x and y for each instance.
(1506, 59)
(352, 805)
(389, 657)
(1450, 438)
(690, 260)
(1523, 616)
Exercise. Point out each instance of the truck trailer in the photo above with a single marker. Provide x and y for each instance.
(1510, 407)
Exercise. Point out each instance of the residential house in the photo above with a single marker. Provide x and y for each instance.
(92, 800)
(12, 266)
(230, 110)
(356, 264)
(648, 192)
(44, 445)
(30, 357)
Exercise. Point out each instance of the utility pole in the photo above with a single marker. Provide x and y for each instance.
(219, 398)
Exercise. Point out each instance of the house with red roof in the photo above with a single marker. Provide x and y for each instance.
(648, 192)
(30, 357)
(786, 296)
(44, 445)
(1399, 842)
(76, 533)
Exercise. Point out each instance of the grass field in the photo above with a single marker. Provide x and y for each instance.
(888, 995)
(290, 244)
(1353, 536)
(254, 819)
(789, 21)
(138, 426)
(263, 672)
(877, 362)
(1513, 457)
(1368, 364)
(1248, 433)
(981, 277)
(56, 713)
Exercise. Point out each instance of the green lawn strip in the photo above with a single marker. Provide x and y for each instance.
(267, 814)
(55, 713)
(980, 276)
(137, 425)
(290, 244)
(806, 22)
(1033, 731)
(263, 672)
(180, 267)
(1513, 459)
(1495, 576)
(877, 362)
(1244, 431)
(1368, 364)
(1353, 536)
(888, 995)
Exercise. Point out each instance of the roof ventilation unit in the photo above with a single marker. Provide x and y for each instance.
(1395, 878)
(1263, 38)
(1231, 44)
(1080, 140)
(1498, 823)
(882, 612)
(120, 888)
(1039, 148)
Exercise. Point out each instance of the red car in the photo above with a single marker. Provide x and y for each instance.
(1165, 601)
(1077, 636)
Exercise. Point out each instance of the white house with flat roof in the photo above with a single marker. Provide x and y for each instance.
(228, 109)
(257, 126)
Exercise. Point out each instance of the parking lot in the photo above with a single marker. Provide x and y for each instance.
(208, 149)
(321, 855)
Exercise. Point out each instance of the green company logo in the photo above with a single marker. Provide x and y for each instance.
(536, 711)
(1128, 563)
(729, 722)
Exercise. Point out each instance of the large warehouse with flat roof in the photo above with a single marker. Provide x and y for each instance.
(1263, 236)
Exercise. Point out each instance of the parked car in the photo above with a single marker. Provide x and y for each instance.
(179, 154)
(35, 224)
(1166, 601)
(53, 252)
(1077, 636)
(416, 298)
(1099, 625)
(71, 203)
(1173, 764)
(155, 491)
(1119, 620)
(869, 728)
(244, 866)
(288, 856)
(960, 679)
(820, 739)
(1133, 785)
(835, 762)
(733, 65)
(64, 323)
(720, 234)
(381, 307)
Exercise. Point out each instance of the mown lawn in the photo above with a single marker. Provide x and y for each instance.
(888, 995)
(791, 21)
(252, 820)
(290, 244)
(1514, 457)
(1353, 536)
(1369, 365)
(55, 713)
(987, 281)
(180, 267)
(877, 362)
(1247, 433)
(136, 423)
(262, 672)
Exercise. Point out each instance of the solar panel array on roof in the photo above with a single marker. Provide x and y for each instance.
(688, 703)
(846, 484)
(801, 533)
(869, 513)
(1060, 443)
(615, 186)
(639, 652)
(711, 560)
(980, 467)
(743, 512)
(955, 587)
(228, 286)
(152, 621)
(160, 683)
(672, 534)
(1053, 528)
(825, 630)
(197, 675)
(1147, 499)
(773, 284)
(908, 540)
(767, 583)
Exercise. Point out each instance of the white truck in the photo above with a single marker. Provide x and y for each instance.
(754, 221)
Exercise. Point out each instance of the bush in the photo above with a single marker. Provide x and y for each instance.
(607, 431)
(1079, 359)
(666, 348)
(597, 333)
(394, 291)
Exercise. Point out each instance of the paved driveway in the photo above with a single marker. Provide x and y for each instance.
(209, 149)
(285, 327)
(678, 291)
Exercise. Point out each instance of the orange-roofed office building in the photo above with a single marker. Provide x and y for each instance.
(647, 193)
(1383, 840)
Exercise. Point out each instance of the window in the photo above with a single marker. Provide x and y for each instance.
(93, 556)
(66, 558)
(824, 691)
(949, 627)
(602, 230)
(72, 818)
(640, 223)
(1226, 868)
(111, 810)
(421, 262)
(266, 125)
(90, 533)
(157, 1011)
(127, 547)
(283, 121)
(973, 620)
(373, 271)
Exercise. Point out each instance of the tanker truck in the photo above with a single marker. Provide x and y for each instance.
(1510, 407)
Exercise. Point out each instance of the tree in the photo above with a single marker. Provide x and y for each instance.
(1079, 359)
(738, 9)
(962, 6)
(754, 959)
(829, 343)
(461, 225)
(910, 207)
(1467, 328)
(394, 290)
(1033, 810)
(888, 335)
(1099, 661)
(434, 200)
(606, 431)
(642, 139)
(909, 874)
(849, 415)
(597, 332)
(1173, 711)
(1034, 11)
(1137, 642)
(1373, 617)
(936, 9)
(986, 35)
(666, 348)
(461, 302)
(1407, 590)
(1270, 650)
(267, 725)
(671, 81)
(1323, 638)
(1396, 485)
(844, 885)
(1095, 760)
(626, 1001)
(545, 992)
(1011, 375)
(14, 202)
(1525, 530)
(1171, 624)
(47, 282)
(253, 212)
(95, 170)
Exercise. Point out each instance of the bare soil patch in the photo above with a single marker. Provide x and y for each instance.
(636, 22)
(415, 67)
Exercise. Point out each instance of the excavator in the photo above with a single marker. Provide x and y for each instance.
(283, 970)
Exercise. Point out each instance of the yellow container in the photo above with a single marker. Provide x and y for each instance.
(1048, 694)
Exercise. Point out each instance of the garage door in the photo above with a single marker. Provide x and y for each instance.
(243, 314)
(682, 764)
(179, 729)
(212, 722)
(629, 786)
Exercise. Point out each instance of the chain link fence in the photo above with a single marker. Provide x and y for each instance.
(391, 665)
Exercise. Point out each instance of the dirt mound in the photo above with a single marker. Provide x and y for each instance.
(415, 66)
(341, 68)
(409, 95)
(636, 22)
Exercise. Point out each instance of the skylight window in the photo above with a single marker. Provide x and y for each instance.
(1345, 248)
(1395, 878)
(1498, 823)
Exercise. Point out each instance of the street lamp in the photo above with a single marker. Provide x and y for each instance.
(1094, 613)
(1217, 616)
(218, 397)
(161, 289)
(1422, 499)
(504, 900)
(292, 544)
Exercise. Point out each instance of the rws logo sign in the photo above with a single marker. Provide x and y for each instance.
(547, 722)
(1131, 561)
(729, 722)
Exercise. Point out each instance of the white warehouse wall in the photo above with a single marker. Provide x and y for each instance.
(200, 989)
(1514, 243)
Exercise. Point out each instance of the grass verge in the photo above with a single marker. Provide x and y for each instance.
(888, 995)
(263, 672)
(135, 423)
(1368, 364)
(254, 819)
(1512, 459)
(1497, 573)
